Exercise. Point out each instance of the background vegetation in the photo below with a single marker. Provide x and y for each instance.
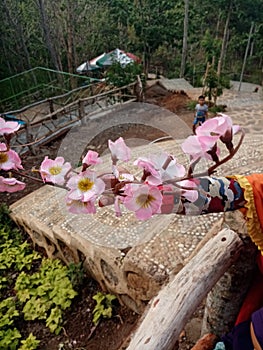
(174, 38)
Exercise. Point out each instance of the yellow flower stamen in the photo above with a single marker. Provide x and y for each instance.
(144, 200)
(55, 170)
(85, 184)
(3, 157)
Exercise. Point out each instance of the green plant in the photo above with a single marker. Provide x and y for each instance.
(9, 335)
(191, 105)
(215, 84)
(17, 256)
(217, 109)
(103, 308)
(76, 274)
(118, 75)
(45, 294)
(30, 343)
(8, 229)
(3, 283)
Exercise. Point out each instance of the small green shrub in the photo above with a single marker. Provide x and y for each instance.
(9, 335)
(191, 105)
(103, 308)
(45, 294)
(30, 343)
(16, 256)
(76, 274)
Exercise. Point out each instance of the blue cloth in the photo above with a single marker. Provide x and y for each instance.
(199, 120)
(220, 346)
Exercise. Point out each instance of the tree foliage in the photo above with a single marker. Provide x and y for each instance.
(62, 34)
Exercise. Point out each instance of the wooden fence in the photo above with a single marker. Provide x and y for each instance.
(46, 120)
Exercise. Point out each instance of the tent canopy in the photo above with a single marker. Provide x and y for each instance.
(107, 59)
(117, 55)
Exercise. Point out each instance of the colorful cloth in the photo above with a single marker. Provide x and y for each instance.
(252, 186)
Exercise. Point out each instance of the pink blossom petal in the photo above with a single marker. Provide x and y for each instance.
(198, 146)
(79, 207)
(144, 200)
(91, 158)
(54, 171)
(119, 150)
(11, 185)
(8, 127)
(154, 176)
(9, 159)
(85, 186)
(167, 166)
(191, 195)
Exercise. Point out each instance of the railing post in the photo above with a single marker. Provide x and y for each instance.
(81, 109)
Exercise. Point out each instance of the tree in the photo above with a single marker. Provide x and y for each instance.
(184, 50)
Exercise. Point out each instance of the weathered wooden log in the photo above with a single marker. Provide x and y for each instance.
(170, 310)
(224, 300)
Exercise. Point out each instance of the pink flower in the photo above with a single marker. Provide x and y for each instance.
(191, 195)
(8, 127)
(160, 168)
(11, 185)
(85, 186)
(54, 171)
(122, 174)
(151, 174)
(79, 207)
(167, 166)
(220, 126)
(91, 158)
(144, 200)
(217, 126)
(198, 146)
(119, 150)
(9, 159)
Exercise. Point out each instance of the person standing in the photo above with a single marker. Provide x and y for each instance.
(201, 112)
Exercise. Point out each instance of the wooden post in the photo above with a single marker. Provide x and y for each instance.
(170, 310)
(81, 109)
(51, 105)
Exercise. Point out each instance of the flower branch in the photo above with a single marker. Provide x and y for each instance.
(162, 178)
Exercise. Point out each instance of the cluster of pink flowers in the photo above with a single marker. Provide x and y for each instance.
(9, 159)
(160, 173)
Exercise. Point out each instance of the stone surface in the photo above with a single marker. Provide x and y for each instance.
(130, 258)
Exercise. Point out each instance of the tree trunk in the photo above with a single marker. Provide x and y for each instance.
(246, 53)
(47, 36)
(184, 50)
(224, 42)
(19, 35)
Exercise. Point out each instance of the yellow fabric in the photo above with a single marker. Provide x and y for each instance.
(252, 210)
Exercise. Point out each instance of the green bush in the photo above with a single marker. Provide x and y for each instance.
(46, 293)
